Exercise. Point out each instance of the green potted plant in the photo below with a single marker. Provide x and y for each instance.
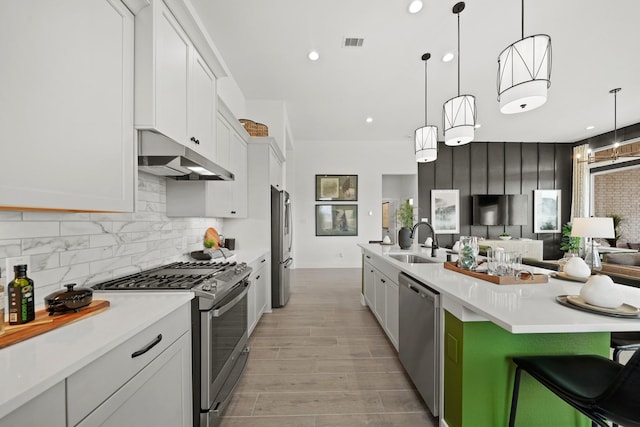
(404, 213)
(505, 236)
(569, 244)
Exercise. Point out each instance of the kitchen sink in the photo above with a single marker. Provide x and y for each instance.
(413, 259)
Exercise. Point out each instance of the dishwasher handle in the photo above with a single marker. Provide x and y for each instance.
(422, 293)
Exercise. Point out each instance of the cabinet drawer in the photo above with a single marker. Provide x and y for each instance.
(93, 384)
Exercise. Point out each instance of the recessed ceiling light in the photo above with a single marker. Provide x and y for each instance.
(314, 55)
(590, 127)
(448, 57)
(415, 6)
(369, 120)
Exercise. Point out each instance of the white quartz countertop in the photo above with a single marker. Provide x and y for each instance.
(30, 367)
(516, 308)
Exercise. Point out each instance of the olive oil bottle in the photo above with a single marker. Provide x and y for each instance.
(21, 297)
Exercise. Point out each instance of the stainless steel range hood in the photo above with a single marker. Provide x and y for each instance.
(160, 155)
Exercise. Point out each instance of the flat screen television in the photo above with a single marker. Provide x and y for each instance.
(500, 209)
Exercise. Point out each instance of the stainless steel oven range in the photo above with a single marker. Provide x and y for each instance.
(218, 322)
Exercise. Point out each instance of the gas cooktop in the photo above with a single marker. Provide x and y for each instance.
(177, 276)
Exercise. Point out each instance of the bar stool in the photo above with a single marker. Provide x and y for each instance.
(600, 388)
(624, 341)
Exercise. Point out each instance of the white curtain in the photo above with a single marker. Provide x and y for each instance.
(580, 194)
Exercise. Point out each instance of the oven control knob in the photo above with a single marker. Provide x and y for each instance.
(207, 285)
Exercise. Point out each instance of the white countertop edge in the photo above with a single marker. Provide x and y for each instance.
(551, 317)
(60, 362)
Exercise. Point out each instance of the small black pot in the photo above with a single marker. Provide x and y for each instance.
(404, 238)
(68, 300)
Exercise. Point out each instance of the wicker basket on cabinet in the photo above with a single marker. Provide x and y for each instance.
(254, 129)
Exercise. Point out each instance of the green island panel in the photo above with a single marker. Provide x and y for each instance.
(479, 375)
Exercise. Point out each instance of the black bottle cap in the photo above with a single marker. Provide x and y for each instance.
(20, 268)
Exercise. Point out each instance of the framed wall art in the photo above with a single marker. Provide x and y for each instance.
(336, 220)
(337, 188)
(546, 211)
(445, 211)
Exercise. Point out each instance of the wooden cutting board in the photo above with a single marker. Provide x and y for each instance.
(44, 323)
(498, 280)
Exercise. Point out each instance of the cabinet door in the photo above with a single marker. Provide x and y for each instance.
(262, 288)
(369, 284)
(381, 285)
(159, 395)
(257, 298)
(251, 304)
(202, 110)
(392, 310)
(66, 105)
(223, 143)
(275, 171)
(46, 409)
(239, 205)
(170, 70)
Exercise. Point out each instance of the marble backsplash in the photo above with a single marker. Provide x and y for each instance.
(86, 248)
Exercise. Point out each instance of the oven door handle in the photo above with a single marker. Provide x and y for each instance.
(222, 310)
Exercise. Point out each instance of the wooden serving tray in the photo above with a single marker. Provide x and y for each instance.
(44, 323)
(498, 280)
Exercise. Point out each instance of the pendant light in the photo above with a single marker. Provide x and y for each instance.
(426, 137)
(459, 113)
(524, 73)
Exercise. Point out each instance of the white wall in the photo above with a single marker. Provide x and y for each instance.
(86, 248)
(368, 160)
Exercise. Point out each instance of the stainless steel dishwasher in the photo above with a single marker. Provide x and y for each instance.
(419, 339)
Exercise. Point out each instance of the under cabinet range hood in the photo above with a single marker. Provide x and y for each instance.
(160, 155)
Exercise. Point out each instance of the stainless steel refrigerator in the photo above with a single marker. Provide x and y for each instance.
(281, 241)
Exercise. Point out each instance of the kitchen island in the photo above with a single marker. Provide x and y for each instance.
(484, 324)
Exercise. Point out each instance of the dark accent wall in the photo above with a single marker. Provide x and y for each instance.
(498, 168)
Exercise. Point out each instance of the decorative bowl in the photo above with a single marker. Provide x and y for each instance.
(505, 237)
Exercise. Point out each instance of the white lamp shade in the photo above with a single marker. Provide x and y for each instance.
(593, 227)
(459, 117)
(524, 73)
(426, 139)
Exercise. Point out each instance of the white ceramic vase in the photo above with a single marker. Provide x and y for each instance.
(602, 292)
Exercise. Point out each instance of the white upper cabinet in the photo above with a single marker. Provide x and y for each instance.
(66, 105)
(175, 89)
(202, 108)
(223, 199)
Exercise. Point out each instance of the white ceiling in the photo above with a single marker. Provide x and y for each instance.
(265, 43)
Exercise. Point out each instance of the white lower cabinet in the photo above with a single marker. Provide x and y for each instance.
(381, 293)
(145, 381)
(369, 283)
(257, 299)
(46, 409)
(157, 396)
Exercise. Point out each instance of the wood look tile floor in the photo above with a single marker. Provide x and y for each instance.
(323, 360)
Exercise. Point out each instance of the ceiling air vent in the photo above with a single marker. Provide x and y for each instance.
(353, 42)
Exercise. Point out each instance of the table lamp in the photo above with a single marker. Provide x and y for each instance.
(593, 228)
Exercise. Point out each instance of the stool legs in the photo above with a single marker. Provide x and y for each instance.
(514, 398)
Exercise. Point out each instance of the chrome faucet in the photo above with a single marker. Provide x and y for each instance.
(434, 244)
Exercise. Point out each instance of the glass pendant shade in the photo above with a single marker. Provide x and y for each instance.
(426, 144)
(459, 117)
(524, 74)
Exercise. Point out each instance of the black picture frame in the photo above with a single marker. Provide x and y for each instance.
(337, 220)
(336, 188)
